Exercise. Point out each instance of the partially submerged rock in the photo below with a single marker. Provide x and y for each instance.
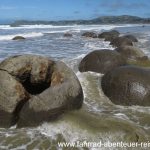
(109, 36)
(121, 41)
(101, 61)
(67, 35)
(40, 89)
(18, 38)
(131, 37)
(90, 34)
(127, 85)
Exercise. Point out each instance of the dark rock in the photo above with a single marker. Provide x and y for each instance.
(90, 34)
(109, 36)
(36, 89)
(121, 41)
(115, 32)
(18, 38)
(130, 52)
(101, 61)
(67, 35)
(127, 85)
(131, 37)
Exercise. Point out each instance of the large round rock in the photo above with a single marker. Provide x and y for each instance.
(101, 61)
(131, 37)
(121, 41)
(127, 85)
(89, 35)
(18, 38)
(130, 52)
(40, 89)
(109, 36)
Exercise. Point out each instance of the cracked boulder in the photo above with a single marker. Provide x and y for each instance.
(34, 89)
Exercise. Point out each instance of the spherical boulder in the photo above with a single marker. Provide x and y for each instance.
(131, 37)
(67, 35)
(101, 61)
(121, 41)
(109, 36)
(130, 52)
(90, 34)
(18, 38)
(127, 85)
(40, 89)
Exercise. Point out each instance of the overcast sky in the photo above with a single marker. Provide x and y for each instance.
(71, 9)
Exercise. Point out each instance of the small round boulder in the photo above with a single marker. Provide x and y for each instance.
(67, 35)
(131, 37)
(101, 61)
(109, 36)
(90, 34)
(121, 41)
(127, 85)
(18, 38)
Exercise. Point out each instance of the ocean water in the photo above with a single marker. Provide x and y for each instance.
(99, 119)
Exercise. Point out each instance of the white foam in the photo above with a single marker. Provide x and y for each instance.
(41, 26)
(97, 45)
(26, 35)
(74, 27)
(62, 31)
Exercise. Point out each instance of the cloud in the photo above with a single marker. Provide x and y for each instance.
(7, 7)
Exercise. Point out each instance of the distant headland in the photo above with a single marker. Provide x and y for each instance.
(124, 19)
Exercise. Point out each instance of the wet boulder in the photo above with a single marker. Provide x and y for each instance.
(101, 61)
(130, 52)
(67, 35)
(121, 41)
(89, 35)
(131, 37)
(19, 38)
(40, 89)
(109, 36)
(127, 85)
